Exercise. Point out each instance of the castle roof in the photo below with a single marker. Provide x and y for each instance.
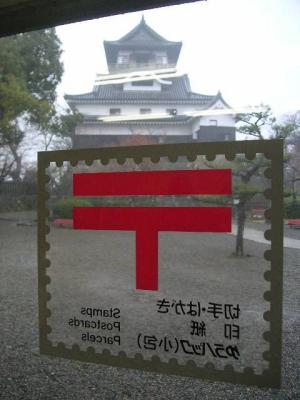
(141, 37)
(179, 92)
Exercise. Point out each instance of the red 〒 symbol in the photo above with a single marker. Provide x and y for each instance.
(148, 221)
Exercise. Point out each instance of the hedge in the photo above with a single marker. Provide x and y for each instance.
(64, 208)
(292, 210)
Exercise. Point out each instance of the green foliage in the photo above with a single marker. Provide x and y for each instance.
(34, 59)
(64, 208)
(284, 131)
(252, 124)
(14, 102)
(292, 210)
(29, 66)
(30, 70)
(67, 124)
(9, 64)
(40, 52)
(246, 189)
(219, 200)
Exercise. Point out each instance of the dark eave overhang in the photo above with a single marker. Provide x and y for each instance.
(27, 15)
(137, 101)
(179, 120)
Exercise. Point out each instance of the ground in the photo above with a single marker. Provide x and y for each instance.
(25, 374)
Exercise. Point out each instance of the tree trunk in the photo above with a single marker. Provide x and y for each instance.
(241, 217)
(294, 188)
(16, 172)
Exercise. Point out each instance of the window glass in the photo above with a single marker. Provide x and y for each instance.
(171, 111)
(142, 83)
(115, 111)
(209, 72)
(145, 110)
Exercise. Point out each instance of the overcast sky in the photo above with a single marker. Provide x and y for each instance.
(248, 49)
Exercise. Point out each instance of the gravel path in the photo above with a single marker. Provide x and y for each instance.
(24, 374)
(252, 233)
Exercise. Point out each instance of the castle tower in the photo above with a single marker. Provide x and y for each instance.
(144, 99)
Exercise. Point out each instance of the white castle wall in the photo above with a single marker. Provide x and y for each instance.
(128, 109)
(222, 120)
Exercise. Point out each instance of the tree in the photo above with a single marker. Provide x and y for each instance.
(65, 128)
(30, 70)
(292, 173)
(245, 170)
(260, 125)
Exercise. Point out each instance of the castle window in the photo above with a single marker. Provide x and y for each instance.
(213, 122)
(142, 83)
(161, 60)
(115, 111)
(123, 59)
(145, 110)
(171, 111)
(142, 58)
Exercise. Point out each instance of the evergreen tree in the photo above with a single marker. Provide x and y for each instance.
(260, 125)
(30, 70)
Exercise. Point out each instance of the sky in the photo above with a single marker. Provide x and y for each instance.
(247, 49)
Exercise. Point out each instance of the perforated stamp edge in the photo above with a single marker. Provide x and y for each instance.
(272, 150)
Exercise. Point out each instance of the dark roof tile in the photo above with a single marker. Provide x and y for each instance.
(179, 91)
(142, 32)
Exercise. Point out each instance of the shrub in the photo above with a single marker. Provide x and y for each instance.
(64, 208)
(211, 199)
(292, 210)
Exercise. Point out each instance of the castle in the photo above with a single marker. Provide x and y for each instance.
(144, 99)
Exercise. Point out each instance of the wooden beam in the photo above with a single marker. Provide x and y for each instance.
(26, 15)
